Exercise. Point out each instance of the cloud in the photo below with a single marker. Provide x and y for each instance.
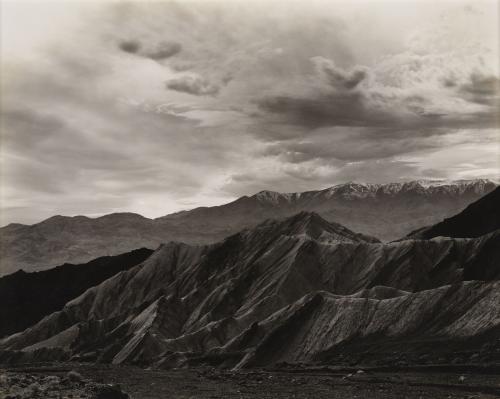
(449, 159)
(64, 143)
(482, 89)
(130, 46)
(364, 97)
(193, 84)
(353, 144)
(339, 78)
(336, 97)
(483, 85)
(157, 52)
(278, 177)
(164, 50)
(330, 109)
(240, 97)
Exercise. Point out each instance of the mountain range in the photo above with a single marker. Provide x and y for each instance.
(385, 211)
(299, 289)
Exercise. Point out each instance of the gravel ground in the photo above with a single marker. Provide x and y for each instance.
(55, 382)
(48, 384)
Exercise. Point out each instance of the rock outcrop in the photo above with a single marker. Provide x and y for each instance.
(327, 328)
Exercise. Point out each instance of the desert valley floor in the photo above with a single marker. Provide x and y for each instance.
(445, 381)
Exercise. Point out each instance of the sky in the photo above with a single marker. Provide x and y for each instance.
(155, 107)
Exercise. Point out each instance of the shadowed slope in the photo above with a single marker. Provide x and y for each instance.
(25, 298)
(479, 218)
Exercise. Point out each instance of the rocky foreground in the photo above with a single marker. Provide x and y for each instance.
(45, 384)
(111, 382)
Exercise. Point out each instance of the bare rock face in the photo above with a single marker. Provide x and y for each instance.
(386, 211)
(322, 327)
(293, 290)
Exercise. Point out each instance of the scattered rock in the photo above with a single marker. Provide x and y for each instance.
(74, 376)
(35, 388)
(52, 380)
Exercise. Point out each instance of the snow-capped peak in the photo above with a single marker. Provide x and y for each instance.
(354, 190)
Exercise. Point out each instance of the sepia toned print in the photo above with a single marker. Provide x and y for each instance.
(249, 199)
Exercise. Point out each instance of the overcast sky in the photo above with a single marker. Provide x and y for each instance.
(155, 107)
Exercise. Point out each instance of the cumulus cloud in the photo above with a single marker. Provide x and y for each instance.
(193, 84)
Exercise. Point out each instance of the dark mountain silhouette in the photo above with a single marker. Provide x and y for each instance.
(299, 289)
(25, 298)
(385, 211)
(479, 218)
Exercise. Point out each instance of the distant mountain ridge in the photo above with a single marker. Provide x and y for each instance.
(385, 211)
(352, 190)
